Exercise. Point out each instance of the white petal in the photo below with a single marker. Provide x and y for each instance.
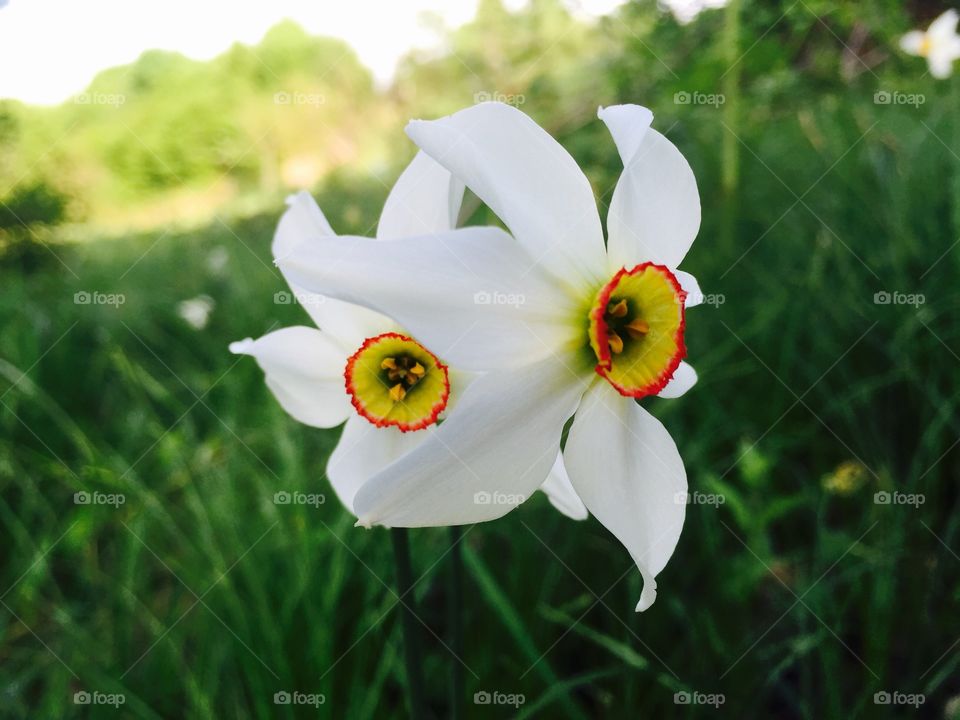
(304, 223)
(425, 199)
(684, 378)
(655, 210)
(628, 124)
(626, 469)
(944, 28)
(528, 179)
(941, 63)
(304, 370)
(690, 285)
(561, 494)
(912, 42)
(487, 457)
(363, 451)
(471, 296)
(460, 380)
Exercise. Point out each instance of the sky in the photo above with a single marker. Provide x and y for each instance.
(50, 50)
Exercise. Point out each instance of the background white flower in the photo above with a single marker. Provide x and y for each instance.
(196, 311)
(939, 44)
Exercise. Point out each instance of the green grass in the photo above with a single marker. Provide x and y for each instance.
(199, 597)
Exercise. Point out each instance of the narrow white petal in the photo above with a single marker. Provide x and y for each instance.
(301, 225)
(628, 124)
(690, 285)
(655, 210)
(425, 199)
(363, 451)
(304, 370)
(684, 378)
(469, 295)
(912, 42)
(487, 457)
(561, 494)
(626, 469)
(528, 179)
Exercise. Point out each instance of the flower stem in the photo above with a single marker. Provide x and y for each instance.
(455, 622)
(411, 638)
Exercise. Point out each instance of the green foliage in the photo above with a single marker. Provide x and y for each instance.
(167, 124)
(33, 204)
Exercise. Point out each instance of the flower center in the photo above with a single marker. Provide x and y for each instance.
(926, 45)
(636, 329)
(394, 380)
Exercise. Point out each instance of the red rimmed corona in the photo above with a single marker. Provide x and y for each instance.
(395, 381)
(636, 329)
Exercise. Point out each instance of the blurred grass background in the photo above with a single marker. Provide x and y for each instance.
(799, 597)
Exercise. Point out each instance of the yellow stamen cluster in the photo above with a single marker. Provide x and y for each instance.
(635, 329)
(394, 381)
(616, 317)
(403, 372)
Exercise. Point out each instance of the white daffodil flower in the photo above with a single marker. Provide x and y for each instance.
(360, 366)
(563, 323)
(940, 44)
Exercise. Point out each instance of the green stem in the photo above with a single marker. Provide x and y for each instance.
(455, 622)
(411, 638)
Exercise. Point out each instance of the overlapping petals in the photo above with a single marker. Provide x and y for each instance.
(472, 295)
(528, 179)
(453, 291)
(486, 458)
(655, 210)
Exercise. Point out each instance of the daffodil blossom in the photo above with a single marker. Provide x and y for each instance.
(360, 366)
(599, 327)
(940, 44)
